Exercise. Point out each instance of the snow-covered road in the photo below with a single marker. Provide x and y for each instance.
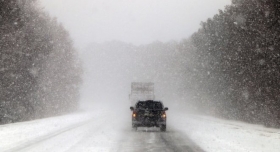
(91, 132)
(107, 131)
(152, 140)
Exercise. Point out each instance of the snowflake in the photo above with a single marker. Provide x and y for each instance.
(34, 71)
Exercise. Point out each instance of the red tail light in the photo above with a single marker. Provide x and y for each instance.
(163, 115)
(134, 114)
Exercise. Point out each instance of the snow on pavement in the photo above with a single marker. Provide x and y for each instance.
(217, 135)
(16, 134)
(104, 130)
(98, 130)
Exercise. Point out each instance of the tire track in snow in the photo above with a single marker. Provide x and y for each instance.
(153, 140)
(178, 142)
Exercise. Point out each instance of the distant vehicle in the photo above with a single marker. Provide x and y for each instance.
(149, 114)
(141, 91)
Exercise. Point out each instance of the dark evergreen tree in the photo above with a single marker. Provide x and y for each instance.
(31, 44)
(238, 54)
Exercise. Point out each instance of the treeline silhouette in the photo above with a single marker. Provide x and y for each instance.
(236, 67)
(39, 69)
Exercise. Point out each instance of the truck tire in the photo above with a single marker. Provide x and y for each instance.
(134, 127)
(163, 128)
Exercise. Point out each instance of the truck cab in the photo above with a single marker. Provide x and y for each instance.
(149, 113)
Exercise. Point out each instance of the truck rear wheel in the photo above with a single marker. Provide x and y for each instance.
(163, 128)
(134, 127)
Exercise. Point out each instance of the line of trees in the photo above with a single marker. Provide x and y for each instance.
(236, 67)
(39, 68)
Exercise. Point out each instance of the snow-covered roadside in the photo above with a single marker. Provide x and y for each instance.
(15, 134)
(217, 135)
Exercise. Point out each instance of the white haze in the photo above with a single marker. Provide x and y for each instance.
(108, 73)
(132, 21)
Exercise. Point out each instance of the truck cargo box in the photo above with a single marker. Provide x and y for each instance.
(141, 91)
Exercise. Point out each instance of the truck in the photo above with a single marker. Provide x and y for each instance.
(141, 91)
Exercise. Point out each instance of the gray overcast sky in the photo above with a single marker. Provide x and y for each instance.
(133, 21)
